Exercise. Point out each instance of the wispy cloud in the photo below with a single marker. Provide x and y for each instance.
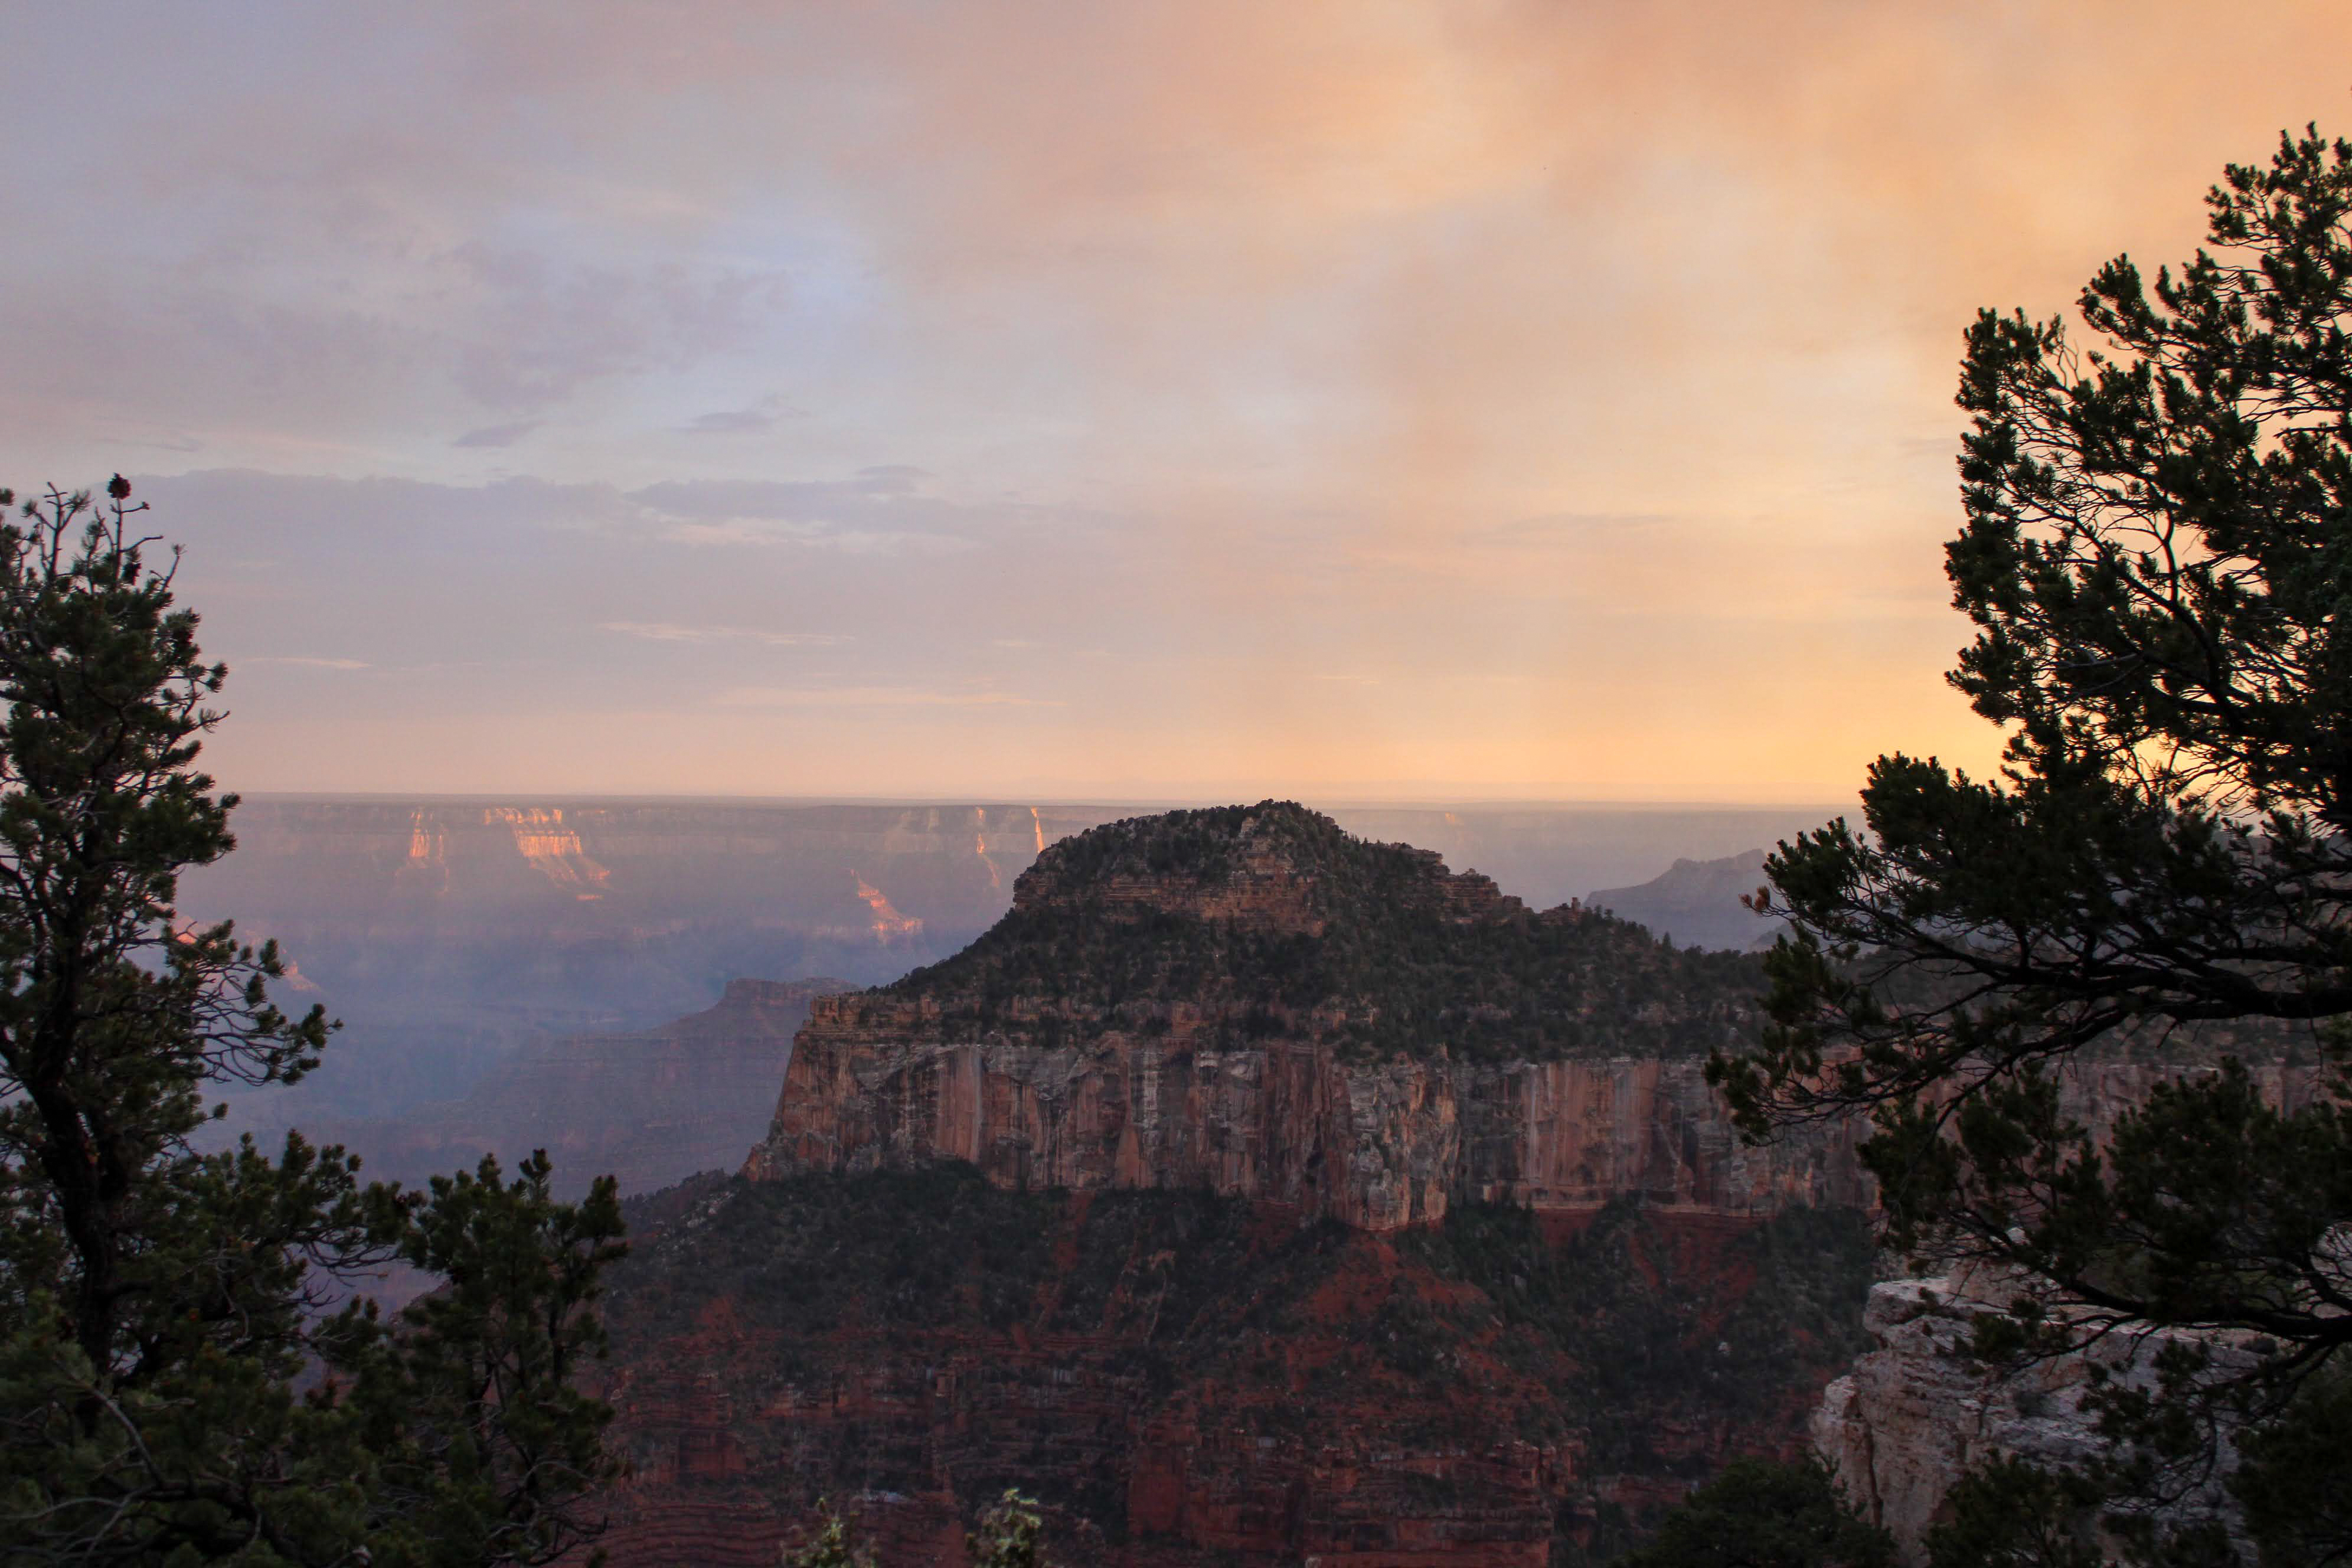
(870, 697)
(756, 420)
(730, 422)
(665, 631)
(497, 434)
(893, 479)
(545, 325)
(1557, 527)
(815, 534)
(165, 443)
(882, 511)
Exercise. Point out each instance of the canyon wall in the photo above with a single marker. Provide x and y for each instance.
(1252, 1195)
(1372, 1144)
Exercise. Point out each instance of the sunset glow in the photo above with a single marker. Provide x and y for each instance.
(1501, 400)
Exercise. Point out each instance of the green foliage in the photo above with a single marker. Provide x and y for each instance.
(830, 1547)
(2292, 1517)
(158, 1307)
(2013, 1514)
(1010, 1534)
(1640, 1331)
(2158, 557)
(1397, 959)
(920, 1248)
(468, 1405)
(1759, 1513)
(1444, 1339)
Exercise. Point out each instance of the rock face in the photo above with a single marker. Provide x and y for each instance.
(1249, 1001)
(1918, 1411)
(1374, 1145)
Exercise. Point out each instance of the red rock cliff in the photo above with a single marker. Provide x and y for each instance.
(1374, 1145)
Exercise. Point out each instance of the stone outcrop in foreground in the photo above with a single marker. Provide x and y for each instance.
(1917, 1411)
(1250, 1002)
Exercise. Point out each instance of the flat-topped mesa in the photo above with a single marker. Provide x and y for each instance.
(1248, 999)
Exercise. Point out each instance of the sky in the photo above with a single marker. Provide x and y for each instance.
(1475, 399)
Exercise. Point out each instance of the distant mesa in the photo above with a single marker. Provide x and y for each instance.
(1696, 902)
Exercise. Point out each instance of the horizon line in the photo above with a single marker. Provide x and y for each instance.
(1434, 801)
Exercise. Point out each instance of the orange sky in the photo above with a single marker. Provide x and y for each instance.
(1199, 398)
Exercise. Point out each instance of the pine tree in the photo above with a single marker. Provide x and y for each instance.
(1763, 1513)
(2158, 557)
(159, 1306)
(1010, 1534)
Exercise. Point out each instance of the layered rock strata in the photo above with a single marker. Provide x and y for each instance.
(1374, 1145)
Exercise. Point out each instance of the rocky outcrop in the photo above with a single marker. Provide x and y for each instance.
(1250, 1002)
(1253, 1003)
(1918, 1411)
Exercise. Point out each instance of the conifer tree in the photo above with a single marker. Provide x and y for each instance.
(159, 1306)
(1763, 1513)
(1010, 1534)
(2158, 557)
